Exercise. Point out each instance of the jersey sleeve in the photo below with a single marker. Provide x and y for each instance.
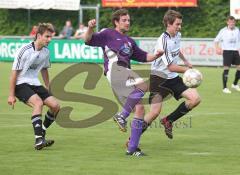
(98, 39)
(163, 44)
(158, 46)
(19, 59)
(219, 36)
(47, 63)
(238, 38)
(138, 54)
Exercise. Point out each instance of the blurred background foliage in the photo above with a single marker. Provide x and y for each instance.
(202, 21)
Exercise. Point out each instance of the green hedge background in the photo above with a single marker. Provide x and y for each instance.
(202, 21)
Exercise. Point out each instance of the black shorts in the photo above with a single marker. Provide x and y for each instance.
(24, 91)
(166, 87)
(231, 57)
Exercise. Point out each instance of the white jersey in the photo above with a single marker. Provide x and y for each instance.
(229, 39)
(171, 47)
(30, 62)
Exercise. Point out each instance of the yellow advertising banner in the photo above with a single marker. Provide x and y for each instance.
(149, 3)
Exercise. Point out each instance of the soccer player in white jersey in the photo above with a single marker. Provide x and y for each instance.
(227, 43)
(31, 59)
(164, 78)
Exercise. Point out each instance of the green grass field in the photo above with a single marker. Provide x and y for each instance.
(206, 141)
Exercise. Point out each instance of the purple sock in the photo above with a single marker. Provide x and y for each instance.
(136, 133)
(133, 98)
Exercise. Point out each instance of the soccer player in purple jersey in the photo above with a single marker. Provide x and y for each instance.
(119, 49)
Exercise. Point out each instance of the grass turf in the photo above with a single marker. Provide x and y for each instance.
(206, 141)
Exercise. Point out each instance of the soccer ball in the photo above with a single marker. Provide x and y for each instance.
(192, 78)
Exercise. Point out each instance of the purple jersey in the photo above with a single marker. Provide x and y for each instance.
(123, 47)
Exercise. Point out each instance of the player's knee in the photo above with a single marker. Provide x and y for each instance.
(38, 103)
(195, 100)
(140, 110)
(143, 87)
(55, 107)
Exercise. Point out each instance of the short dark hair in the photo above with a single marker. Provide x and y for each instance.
(231, 18)
(117, 14)
(170, 16)
(43, 27)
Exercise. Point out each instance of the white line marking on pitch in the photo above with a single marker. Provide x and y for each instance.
(199, 153)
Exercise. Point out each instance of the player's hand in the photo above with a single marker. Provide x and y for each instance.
(159, 53)
(11, 101)
(188, 64)
(92, 23)
(219, 51)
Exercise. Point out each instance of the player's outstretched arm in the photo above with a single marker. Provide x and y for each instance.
(13, 79)
(185, 61)
(151, 57)
(218, 48)
(177, 68)
(90, 30)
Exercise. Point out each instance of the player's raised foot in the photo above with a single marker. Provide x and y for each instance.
(135, 153)
(127, 142)
(121, 122)
(236, 87)
(226, 91)
(167, 127)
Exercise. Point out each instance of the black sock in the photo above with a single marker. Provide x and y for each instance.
(49, 119)
(37, 125)
(145, 126)
(225, 78)
(178, 113)
(237, 76)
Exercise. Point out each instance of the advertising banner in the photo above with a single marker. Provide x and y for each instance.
(149, 3)
(198, 51)
(67, 51)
